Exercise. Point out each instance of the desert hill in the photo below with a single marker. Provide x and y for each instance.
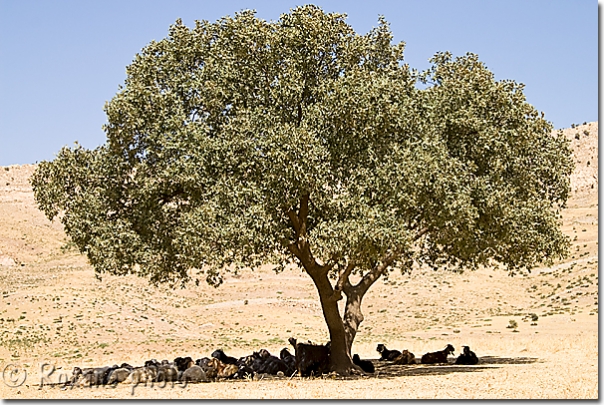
(54, 310)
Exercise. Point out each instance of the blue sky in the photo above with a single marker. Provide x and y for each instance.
(61, 60)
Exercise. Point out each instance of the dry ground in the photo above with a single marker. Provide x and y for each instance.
(53, 310)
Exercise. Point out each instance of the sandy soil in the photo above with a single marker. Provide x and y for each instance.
(54, 311)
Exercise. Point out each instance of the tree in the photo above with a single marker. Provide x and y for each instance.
(242, 142)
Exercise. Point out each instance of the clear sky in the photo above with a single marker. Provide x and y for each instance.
(61, 60)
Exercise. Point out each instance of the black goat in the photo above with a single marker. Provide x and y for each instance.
(244, 371)
(262, 362)
(311, 359)
(209, 366)
(365, 365)
(92, 376)
(468, 357)
(183, 363)
(219, 354)
(152, 362)
(203, 362)
(438, 357)
(387, 354)
(289, 360)
(272, 365)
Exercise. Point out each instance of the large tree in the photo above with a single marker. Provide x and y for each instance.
(242, 142)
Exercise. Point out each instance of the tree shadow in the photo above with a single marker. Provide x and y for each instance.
(508, 360)
(389, 370)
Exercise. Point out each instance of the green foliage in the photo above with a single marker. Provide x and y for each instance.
(219, 130)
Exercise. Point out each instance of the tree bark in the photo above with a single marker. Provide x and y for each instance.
(352, 318)
(340, 358)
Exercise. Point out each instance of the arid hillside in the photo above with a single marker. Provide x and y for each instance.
(54, 311)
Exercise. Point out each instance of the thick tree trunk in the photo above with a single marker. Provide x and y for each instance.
(340, 359)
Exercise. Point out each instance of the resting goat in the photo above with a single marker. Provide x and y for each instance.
(118, 375)
(194, 374)
(468, 357)
(365, 365)
(289, 360)
(406, 357)
(219, 354)
(387, 354)
(183, 363)
(438, 357)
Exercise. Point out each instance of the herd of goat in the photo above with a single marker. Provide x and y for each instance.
(308, 360)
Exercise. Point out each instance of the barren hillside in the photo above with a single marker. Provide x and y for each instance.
(55, 311)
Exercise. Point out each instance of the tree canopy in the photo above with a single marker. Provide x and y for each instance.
(241, 142)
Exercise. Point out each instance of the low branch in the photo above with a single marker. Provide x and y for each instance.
(375, 273)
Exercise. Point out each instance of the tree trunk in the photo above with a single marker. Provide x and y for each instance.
(352, 318)
(340, 358)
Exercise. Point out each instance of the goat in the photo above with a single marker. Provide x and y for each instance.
(219, 354)
(92, 376)
(152, 362)
(365, 365)
(245, 364)
(118, 375)
(167, 373)
(468, 357)
(228, 371)
(265, 363)
(387, 354)
(438, 357)
(183, 363)
(202, 362)
(194, 374)
(209, 366)
(406, 357)
(243, 371)
(141, 375)
(289, 360)
(311, 359)
(271, 365)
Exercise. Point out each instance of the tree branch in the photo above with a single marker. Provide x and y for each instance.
(300, 247)
(293, 248)
(303, 213)
(295, 221)
(375, 273)
(421, 234)
(342, 281)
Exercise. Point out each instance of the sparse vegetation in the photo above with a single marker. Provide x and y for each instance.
(331, 153)
(40, 319)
